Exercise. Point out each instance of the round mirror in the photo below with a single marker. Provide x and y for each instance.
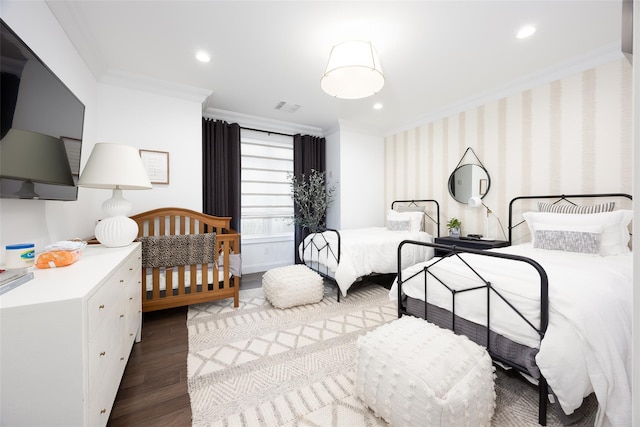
(468, 181)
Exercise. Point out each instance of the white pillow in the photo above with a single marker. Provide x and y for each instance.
(615, 232)
(415, 219)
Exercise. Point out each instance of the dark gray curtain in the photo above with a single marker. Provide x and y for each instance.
(308, 153)
(221, 170)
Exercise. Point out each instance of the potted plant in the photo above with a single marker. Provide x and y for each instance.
(454, 225)
(311, 197)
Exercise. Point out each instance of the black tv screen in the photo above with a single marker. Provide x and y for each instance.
(41, 123)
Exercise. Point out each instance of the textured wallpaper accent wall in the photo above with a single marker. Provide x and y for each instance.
(573, 135)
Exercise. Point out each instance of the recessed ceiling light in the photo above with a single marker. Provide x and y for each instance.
(203, 56)
(526, 31)
(377, 106)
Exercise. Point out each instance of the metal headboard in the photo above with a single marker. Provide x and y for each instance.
(435, 220)
(558, 198)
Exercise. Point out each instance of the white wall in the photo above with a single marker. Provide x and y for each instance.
(161, 123)
(333, 178)
(113, 114)
(360, 180)
(260, 255)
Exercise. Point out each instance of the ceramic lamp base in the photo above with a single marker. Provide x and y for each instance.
(117, 229)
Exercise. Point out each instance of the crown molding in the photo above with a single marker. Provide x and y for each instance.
(161, 87)
(249, 121)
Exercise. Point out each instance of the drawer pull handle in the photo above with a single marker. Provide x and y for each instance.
(101, 306)
(102, 353)
(121, 359)
(130, 298)
(121, 281)
(122, 315)
(103, 411)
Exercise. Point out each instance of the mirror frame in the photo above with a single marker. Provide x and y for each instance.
(483, 183)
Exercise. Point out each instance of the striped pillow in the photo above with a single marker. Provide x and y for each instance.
(575, 209)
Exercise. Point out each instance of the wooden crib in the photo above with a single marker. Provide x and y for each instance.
(179, 285)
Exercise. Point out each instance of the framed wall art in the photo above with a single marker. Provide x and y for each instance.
(156, 163)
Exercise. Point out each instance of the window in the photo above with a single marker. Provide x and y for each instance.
(266, 204)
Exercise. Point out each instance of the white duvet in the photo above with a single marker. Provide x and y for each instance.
(364, 251)
(587, 346)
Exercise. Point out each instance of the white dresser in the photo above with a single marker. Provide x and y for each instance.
(65, 338)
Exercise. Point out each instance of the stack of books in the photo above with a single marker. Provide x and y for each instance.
(14, 277)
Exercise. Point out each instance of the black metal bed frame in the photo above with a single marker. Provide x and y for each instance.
(319, 244)
(486, 286)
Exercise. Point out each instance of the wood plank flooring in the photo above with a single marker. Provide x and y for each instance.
(153, 391)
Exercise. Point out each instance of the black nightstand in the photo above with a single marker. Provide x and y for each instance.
(468, 243)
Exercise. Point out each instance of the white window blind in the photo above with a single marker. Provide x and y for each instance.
(267, 164)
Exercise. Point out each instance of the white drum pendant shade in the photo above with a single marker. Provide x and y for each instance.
(353, 71)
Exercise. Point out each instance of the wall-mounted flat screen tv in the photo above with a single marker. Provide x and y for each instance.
(41, 123)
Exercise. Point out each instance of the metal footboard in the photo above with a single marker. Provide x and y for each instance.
(486, 288)
(318, 248)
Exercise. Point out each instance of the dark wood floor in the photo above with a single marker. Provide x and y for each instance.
(153, 391)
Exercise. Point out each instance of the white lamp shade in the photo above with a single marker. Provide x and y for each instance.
(34, 157)
(118, 167)
(475, 202)
(353, 71)
(114, 166)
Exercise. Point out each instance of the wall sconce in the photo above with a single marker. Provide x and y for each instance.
(476, 202)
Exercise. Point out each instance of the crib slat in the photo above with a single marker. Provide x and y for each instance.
(156, 283)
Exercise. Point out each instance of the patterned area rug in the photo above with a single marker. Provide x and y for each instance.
(260, 366)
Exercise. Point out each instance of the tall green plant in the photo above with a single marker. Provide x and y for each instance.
(312, 197)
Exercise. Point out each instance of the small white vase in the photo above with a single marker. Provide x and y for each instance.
(454, 232)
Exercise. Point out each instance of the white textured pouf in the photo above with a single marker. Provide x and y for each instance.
(292, 285)
(413, 373)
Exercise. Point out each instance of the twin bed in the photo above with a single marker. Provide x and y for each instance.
(346, 256)
(556, 305)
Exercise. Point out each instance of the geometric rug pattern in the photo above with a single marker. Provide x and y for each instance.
(256, 365)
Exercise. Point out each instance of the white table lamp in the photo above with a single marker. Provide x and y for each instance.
(118, 167)
(476, 202)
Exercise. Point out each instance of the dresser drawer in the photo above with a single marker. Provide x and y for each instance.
(101, 303)
(112, 293)
(104, 351)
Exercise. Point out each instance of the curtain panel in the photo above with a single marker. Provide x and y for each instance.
(221, 170)
(309, 153)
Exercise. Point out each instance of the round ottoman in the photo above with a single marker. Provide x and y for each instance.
(413, 373)
(292, 285)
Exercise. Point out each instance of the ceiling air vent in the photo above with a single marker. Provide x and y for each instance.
(287, 107)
